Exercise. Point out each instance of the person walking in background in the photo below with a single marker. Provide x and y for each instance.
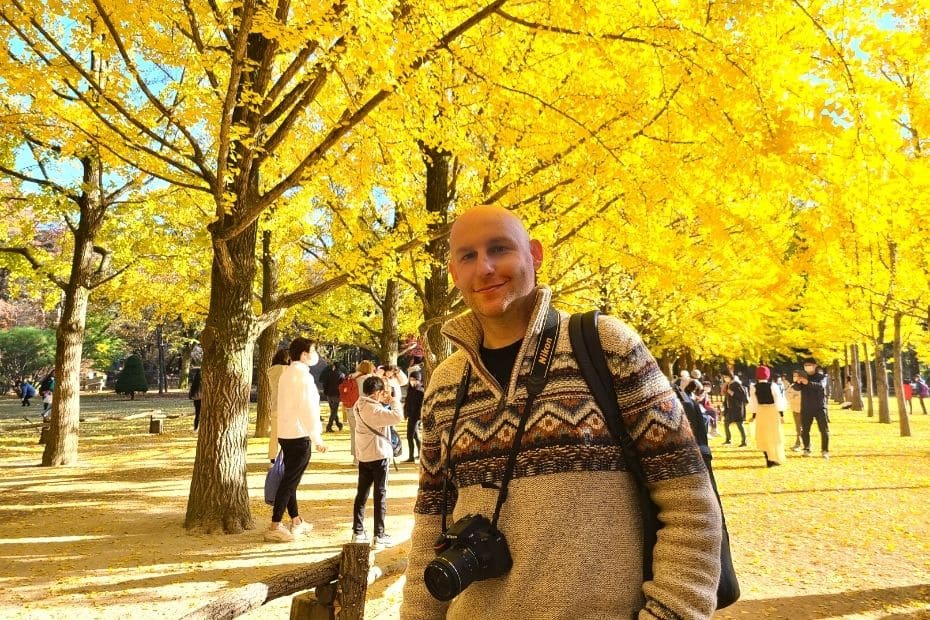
(812, 385)
(767, 405)
(26, 391)
(47, 404)
(299, 425)
(793, 395)
(413, 404)
(195, 394)
(375, 412)
(331, 379)
(922, 391)
(280, 361)
(734, 408)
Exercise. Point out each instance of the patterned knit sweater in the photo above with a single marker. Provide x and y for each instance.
(571, 518)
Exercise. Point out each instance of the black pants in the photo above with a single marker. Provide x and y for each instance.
(196, 413)
(26, 402)
(376, 473)
(413, 435)
(922, 405)
(823, 425)
(296, 457)
(333, 413)
(739, 425)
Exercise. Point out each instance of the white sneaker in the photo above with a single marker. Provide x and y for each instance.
(278, 534)
(301, 528)
(383, 541)
(359, 537)
(825, 455)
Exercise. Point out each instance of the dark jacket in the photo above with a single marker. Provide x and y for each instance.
(413, 404)
(813, 394)
(331, 380)
(735, 400)
(195, 392)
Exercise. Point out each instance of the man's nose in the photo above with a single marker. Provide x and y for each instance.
(485, 262)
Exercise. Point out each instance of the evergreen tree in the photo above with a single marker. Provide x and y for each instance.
(132, 378)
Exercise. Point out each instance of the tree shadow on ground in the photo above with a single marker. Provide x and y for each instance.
(816, 606)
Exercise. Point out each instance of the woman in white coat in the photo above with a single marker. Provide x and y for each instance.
(766, 405)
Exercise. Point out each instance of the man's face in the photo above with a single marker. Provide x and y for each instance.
(493, 262)
(810, 368)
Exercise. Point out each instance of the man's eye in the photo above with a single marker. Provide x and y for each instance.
(498, 249)
(466, 257)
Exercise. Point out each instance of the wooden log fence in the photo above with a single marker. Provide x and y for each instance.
(341, 582)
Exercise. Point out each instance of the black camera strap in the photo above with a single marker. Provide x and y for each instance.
(535, 382)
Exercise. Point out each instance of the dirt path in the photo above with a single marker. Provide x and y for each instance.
(845, 538)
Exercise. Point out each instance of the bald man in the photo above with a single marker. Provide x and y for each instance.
(560, 537)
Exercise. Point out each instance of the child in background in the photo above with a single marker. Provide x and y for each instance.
(376, 410)
(46, 404)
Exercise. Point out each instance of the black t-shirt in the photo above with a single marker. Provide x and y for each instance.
(499, 362)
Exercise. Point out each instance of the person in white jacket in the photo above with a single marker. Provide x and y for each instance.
(375, 412)
(767, 404)
(298, 407)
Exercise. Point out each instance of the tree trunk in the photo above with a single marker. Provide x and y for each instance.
(856, 375)
(160, 377)
(185, 366)
(869, 380)
(390, 332)
(903, 420)
(836, 390)
(438, 297)
(219, 496)
(881, 375)
(268, 339)
(62, 445)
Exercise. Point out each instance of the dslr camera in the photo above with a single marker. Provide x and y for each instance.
(470, 550)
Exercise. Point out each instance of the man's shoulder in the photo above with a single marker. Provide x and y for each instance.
(616, 335)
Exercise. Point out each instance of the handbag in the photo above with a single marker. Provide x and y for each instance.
(586, 345)
(273, 478)
(395, 442)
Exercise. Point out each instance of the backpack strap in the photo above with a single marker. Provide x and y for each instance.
(589, 354)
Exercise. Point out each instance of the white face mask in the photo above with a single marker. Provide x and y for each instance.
(313, 358)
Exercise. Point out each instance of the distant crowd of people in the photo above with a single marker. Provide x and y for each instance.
(766, 400)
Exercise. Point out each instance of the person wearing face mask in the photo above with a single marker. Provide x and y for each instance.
(812, 385)
(298, 406)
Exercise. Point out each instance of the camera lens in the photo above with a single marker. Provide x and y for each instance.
(451, 572)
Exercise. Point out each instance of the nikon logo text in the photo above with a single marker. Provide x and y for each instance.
(545, 351)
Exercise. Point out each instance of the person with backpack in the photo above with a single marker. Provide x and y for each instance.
(735, 400)
(519, 465)
(375, 412)
(349, 390)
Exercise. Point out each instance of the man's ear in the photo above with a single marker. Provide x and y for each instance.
(536, 250)
(451, 267)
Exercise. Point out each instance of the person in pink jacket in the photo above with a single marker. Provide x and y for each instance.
(298, 407)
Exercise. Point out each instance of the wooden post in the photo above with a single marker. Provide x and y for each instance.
(155, 425)
(353, 581)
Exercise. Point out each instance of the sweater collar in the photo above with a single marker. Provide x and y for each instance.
(466, 333)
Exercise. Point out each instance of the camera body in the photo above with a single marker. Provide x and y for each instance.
(470, 550)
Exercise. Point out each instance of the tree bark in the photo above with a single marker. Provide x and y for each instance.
(268, 339)
(903, 420)
(856, 374)
(62, 445)
(390, 333)
(881, 375)
(219, 497)
(869, 380)
(836, 379)
(438, 297)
